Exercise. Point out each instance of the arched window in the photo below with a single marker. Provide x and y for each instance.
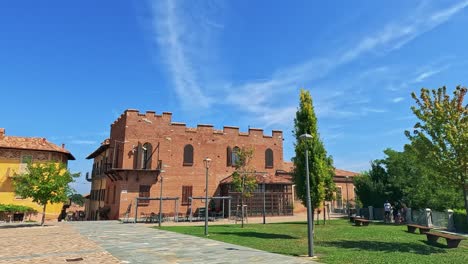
(235, 155)
(188, 155)
(268, 158)
(228, 156)
(146, 154)
(137, 155)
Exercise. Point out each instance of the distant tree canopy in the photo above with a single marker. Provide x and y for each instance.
(432, 170)
(402, 177)
(77, 199)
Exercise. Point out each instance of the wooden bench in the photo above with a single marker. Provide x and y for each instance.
(452, 240)
(422, 229)
(359, 221)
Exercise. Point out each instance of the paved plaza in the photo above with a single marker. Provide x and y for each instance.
(137, 243)
(50, 244)
(113, 242)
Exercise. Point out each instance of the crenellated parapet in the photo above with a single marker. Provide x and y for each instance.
(132, 117)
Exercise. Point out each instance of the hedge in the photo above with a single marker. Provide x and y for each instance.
(459, 220)
(13, 208)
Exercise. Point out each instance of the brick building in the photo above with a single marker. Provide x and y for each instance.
(145, 151)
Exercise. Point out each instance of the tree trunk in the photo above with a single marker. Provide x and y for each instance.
(43, 214)
(318, 216)
(324, 213)
(242, 202)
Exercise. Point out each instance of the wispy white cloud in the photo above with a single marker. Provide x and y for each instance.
(171, 33)
(396, 35)
(366, 110)
(398, 99)
(269, 100)
(421, 77)
(83, 142)
(427, 73)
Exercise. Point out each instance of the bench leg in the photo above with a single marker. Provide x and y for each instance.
(365, 223)
(452, 243)
(432, 239)
(411, 229)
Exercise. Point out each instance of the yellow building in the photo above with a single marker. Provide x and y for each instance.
(15, 153)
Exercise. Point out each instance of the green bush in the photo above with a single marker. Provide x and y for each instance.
(13, 208)
(459, 220)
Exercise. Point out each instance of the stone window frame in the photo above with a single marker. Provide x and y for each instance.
(188, 155)
(269, 158)
(146, 155)
(234, 155)
(187, 191)
(143, 192)
(228, 156)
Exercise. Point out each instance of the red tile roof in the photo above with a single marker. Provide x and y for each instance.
(285, 177)
(30, 143)
(289, 166)
(280, 178)
(104, 145)
(345, 173)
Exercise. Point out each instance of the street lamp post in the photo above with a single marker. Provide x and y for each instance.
(160, 198)
(207, 162)
(264, 210)
(347, 197)
(310, 230)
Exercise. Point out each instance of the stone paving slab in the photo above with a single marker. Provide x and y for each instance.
(49, 244)
(137, 243)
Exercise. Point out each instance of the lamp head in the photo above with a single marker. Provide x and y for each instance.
(305, 136)
(207, 162)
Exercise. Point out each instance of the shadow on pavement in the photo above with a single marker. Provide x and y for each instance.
(6, 226)
(257, 235)
(389, 247)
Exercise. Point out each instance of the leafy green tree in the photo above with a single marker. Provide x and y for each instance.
(243, 178)
(370, 185)
(401, 176)
(320, 167)
(45, 183)
(77, 199)
(441, 136)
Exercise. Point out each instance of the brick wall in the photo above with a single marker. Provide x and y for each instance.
(168, 139)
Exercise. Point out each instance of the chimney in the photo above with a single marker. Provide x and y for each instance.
(63, 146)
(2, 133)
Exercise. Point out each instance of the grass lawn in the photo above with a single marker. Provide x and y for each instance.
(336, 242)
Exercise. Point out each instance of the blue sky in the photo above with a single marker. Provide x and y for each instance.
(70, 68)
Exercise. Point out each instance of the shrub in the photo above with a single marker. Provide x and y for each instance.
(13, 208)
(459, 220)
